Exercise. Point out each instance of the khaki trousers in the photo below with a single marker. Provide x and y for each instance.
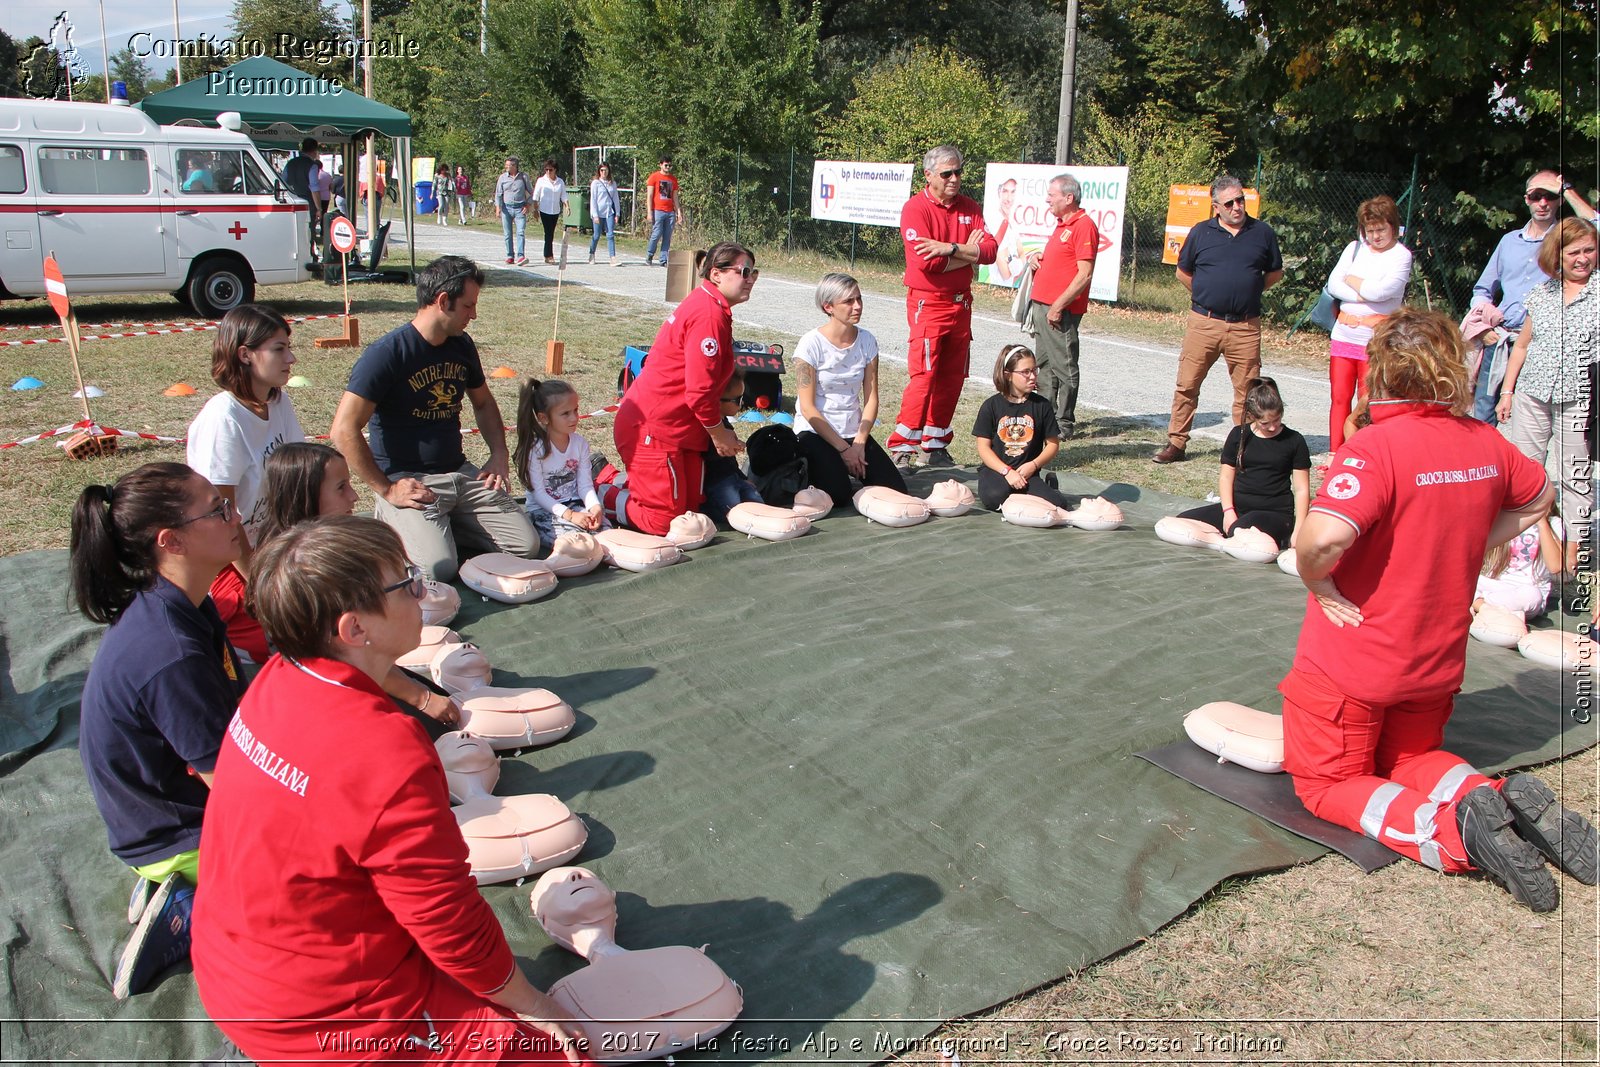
(1238, 343)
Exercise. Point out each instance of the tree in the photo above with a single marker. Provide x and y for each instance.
(909, 103)
(1363, 80)
(10, 83)
(304, 25)
(1159, 150)
(704, 79)
(131, 70)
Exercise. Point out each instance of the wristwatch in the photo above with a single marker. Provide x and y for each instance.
(954, 248)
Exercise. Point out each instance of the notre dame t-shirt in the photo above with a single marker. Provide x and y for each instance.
(1016, 431)
(418, 389)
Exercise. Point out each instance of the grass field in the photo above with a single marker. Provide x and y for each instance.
(1315, 964)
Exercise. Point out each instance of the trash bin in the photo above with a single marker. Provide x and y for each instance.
(577, 210)
(427, 203)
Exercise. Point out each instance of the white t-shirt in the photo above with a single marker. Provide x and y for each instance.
(840, 372)
(229, 445)
(561, 479)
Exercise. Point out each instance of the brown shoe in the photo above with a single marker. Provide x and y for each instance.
(1169, 453)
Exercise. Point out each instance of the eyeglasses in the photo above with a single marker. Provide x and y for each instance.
(223, 511)
(1235, 202)
(415, 582)
(1540, 195)
(732, 399)
(1026, 372)
(744, 270)
(953, 172)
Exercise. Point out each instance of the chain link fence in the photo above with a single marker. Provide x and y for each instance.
(765, 200)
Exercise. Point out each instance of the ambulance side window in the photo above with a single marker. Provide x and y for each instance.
(256, 180)
(94, 171)
(12, 179)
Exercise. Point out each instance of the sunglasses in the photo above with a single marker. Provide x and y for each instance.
(223, 511)
(415, 583)
(953, 172)
(744, 271)
(1235, 202)
(1541, 195)
(732, 399)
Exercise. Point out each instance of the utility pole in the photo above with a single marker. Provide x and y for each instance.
(1069, 66)
(372, 155)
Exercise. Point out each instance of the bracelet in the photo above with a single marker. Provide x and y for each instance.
(1226, 510)
(427, 698)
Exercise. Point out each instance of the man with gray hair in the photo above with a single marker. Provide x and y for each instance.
(1226, 263)
(944, 238)
(1060, 296)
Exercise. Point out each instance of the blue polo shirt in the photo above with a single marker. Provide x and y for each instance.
(1230, 270)
(160, 693)
(1510, 276)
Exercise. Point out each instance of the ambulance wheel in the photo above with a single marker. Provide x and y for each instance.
(218, 286)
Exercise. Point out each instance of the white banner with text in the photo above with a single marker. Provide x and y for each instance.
(1016, 211)
(868, 194)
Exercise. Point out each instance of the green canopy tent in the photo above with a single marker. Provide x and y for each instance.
(280, 105)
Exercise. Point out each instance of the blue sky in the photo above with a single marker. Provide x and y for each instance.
(124, 19)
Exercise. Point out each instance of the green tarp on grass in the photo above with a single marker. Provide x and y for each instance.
(886, 775)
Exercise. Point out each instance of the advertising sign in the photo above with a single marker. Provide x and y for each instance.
(869, 194)
(1191, 204)
(1017, 212)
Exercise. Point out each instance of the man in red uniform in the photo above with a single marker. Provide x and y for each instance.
(1061, 296)
(944, 239)
(1390, 553)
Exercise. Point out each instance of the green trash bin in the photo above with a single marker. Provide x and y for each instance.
(577, 210)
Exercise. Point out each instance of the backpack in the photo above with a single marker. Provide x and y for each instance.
(776, 467)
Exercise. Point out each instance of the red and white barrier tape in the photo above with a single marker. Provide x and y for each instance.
(197, 327)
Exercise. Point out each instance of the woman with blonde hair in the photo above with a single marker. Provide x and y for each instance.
(1546, 392)
(1390, 553)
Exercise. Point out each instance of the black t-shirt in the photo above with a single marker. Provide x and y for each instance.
(1017, 431)
(718, 467)
(418, 389)
(1262, 481)
(1230, 270)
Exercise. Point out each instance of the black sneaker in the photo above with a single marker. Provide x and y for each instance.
(1566, 838)
(160, 940)
(1493, 847)
(1052, 481)
(938, 457)
(139, 899)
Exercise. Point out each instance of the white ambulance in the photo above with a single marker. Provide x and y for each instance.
(127, 205)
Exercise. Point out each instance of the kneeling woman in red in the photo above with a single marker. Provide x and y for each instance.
(339, 918)
(672, 412)
(1390, 552)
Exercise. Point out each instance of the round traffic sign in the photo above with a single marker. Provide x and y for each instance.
(342, 234)
(56, 286)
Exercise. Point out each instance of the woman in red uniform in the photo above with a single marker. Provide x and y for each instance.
(1390, 553)
(340, 921)
(672, 412)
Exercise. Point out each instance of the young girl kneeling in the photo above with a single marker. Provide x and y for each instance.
(553, 460)
(1265, 480)
(1017, 434)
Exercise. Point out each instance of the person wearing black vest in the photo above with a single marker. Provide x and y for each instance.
(1226, 263)
(303, 175)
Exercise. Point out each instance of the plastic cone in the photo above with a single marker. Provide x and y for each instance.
(502, 372)
(90, 391)
(299, 381)
(23, 384)
(181, 389)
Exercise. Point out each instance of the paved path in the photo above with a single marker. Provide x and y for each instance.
(1122, 375)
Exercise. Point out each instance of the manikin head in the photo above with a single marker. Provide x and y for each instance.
(577, 910)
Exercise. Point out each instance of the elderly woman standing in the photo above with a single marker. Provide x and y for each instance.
(339, 915)
(1546, 393)
(1370, 282)
(1390, 553)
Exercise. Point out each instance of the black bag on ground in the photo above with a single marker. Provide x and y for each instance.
(777, 469)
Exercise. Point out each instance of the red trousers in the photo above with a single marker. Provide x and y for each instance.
(664, 481)
(1377, 768)
(1347, 378)
(941, 345)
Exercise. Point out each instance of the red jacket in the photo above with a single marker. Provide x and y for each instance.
(924, 217)
(335, 895)
(676, 396)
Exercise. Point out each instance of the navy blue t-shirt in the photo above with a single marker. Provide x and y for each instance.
(418, 389)
(158, 699)
(1230, 270)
